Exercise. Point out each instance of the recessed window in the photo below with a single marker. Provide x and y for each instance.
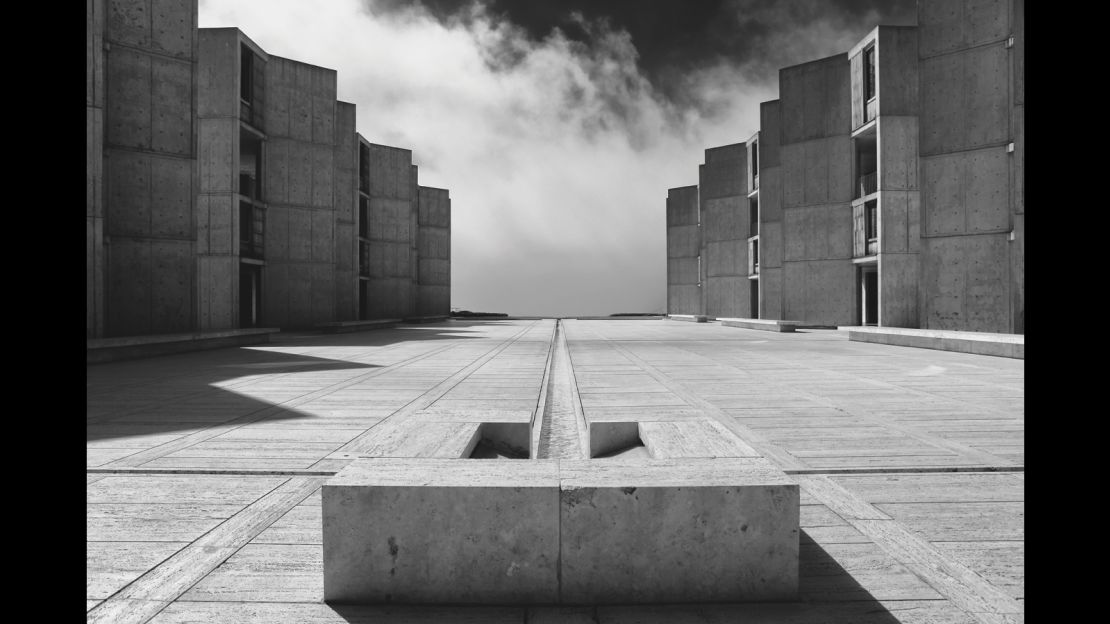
(246, 74)
(871, 226)
(869, 72)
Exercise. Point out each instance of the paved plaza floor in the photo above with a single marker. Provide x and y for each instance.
(204, 469)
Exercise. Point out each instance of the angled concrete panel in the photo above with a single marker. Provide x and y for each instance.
(172, 107)
(128, 193)
(171, 197)
(128, 101)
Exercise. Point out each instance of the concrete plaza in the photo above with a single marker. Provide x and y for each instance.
(204, 469)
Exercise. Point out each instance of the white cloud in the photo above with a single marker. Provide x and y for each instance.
(558, 155)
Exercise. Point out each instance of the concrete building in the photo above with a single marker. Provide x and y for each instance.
(885, 185)
(141, 103)
(228, 188)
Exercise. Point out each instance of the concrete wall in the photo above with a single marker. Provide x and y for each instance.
(94, 157)
(770, 212)
(970, 269)
(149, 108)
(683, 248)
(392, 204)
(346, 213)
(723, 202)
(434, 251)
(299, 282)
(217, 246)
(816, 168)
(899, 198)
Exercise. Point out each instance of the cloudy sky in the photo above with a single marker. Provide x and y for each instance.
(557, 126)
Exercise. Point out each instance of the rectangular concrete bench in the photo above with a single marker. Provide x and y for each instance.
(341, 327)
(99, 350)
(980, 343)
(433, 318)
(690, 318)
(763, 324)
(464, 531)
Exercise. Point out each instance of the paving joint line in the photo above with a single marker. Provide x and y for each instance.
(352, 447)
(925, 437)
(959, 584)
(172, 446)
(146, 596)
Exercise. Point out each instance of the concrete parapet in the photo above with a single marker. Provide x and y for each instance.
(763, 324)
(340, 327)
(981, 343)
(100, 350)
(560, 531)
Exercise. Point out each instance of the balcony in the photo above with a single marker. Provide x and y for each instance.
(870, 109)
(364, 258)
(868, 184)
(252, 225)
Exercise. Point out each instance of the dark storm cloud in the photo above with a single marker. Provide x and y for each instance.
(674, 37)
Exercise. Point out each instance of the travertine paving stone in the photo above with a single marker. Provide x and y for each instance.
(820, 402)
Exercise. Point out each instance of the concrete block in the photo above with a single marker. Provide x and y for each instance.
(965, 100)
(683, 299)
(626, 533)
(893, 235)
(794, 234)
(276, 293)
(173, 27)
(898, 79)
(128, 98)
(727, 296)
(830, 292)
(299, 308)
(172, 110)
(217, 72)
(322, 172)
(724, 218)
(171, 197)
(495, 543)
(128, 202)
(760, 324)
(129, 22)
(94, 277)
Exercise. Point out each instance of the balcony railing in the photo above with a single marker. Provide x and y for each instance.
(364, 258)
(870, 109)
(868, 184)
(252, 225)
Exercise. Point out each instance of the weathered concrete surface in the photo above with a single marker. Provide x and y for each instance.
(981, 343)
(683, 251)
(488, 532)
(141, 96)
(972, 275)
(936, 440)
(763, 324)
(391, 231)
(112, 349)
(433, 238)
(723, 203)
(818, 280)
(690, 530)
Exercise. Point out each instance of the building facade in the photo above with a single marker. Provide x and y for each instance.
(228, 188)
(884, 187)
